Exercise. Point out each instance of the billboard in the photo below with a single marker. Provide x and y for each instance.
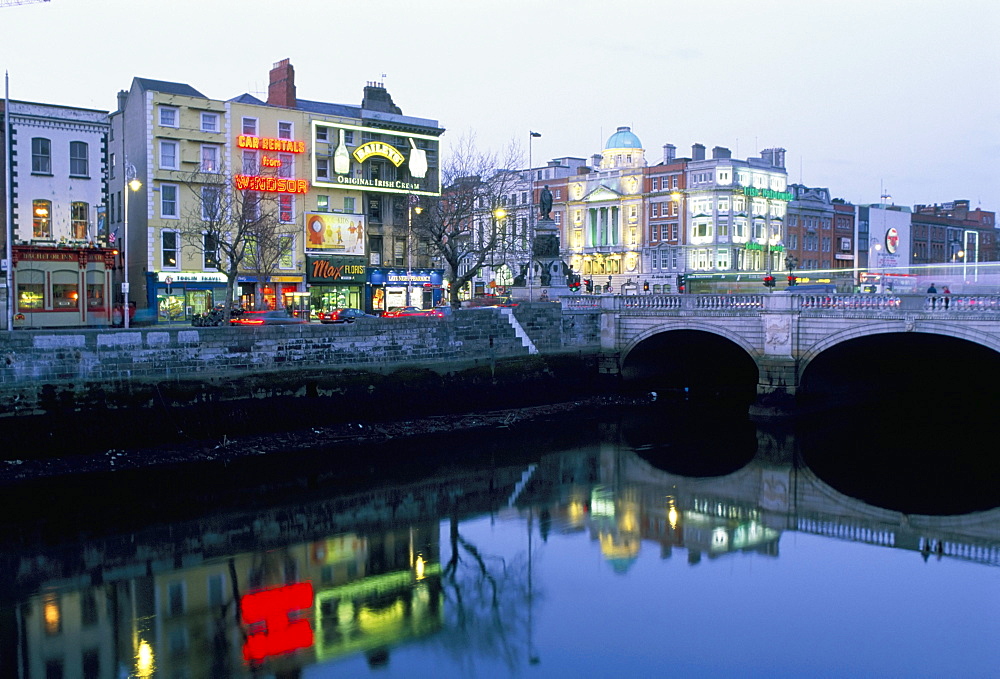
(342, 234)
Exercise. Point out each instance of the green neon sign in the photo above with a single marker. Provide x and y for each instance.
(767, 193)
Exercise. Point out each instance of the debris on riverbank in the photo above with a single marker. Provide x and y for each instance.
(340, 435)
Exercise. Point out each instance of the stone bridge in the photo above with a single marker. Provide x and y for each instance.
(784, 333)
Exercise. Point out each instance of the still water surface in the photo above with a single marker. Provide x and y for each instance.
(652, 543)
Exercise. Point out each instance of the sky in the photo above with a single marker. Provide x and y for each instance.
(868, 97)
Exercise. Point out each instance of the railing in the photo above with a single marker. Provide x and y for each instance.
(865, 302)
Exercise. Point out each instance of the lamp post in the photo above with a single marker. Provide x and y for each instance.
(531, 218)
(132, 183)
(411, 208)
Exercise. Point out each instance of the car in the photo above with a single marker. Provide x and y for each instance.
(392, 312)
(270, 317)
(342, 315)
(434, 312)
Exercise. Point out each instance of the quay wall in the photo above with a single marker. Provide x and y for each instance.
(141, 384)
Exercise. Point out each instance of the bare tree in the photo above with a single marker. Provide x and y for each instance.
(466, 227)
(226, 224)
(267, 245)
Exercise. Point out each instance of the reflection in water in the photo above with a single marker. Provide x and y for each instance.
(474, 566)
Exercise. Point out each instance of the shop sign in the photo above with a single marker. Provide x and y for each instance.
(271, 184)
(892, 240)
(169, 278)
(343, 234)
(268, 144)
(767, 193)
(759, 246)
(402, 277)
(335, 270)
(378, 148)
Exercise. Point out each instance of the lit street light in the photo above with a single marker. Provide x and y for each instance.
(132, 183)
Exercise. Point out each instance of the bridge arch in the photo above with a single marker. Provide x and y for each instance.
(866, 330)
(691, 357)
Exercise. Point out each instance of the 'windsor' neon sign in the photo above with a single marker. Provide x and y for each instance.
(272, 184)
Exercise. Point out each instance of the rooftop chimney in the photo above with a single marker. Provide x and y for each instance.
(281, 88)
(721, 152)
(122, 99)
(775, 157)
(377, 98)
(669, 153)
(698, 152)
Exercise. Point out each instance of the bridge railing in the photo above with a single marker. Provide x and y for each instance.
(781, 301)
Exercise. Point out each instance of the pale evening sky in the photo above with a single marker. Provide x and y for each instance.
(864, 94)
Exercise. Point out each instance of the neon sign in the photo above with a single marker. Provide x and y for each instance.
(272, 610)
(273, 184)
(378, 148)
(767, 193)
(268, 144)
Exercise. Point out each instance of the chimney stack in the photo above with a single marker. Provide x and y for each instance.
(698, 152)
(122, 99)
(281, 87)
(669, 153)
(721, 152)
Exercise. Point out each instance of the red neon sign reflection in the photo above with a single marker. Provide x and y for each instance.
(273, 609)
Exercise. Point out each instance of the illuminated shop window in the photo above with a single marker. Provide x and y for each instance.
(65, 290)
(30, 290)
(41, 213)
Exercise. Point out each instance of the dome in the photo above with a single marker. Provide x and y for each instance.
(623, 139)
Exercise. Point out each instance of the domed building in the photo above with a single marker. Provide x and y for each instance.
(603, 229)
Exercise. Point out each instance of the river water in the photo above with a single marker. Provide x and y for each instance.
(664, 539)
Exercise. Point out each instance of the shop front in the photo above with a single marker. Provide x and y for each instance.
(62, 287)
(178, 296)
(394, 287)
(279, 292)
(335, 282)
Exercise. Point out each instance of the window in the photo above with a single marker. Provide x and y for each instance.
(216, 590)
(95, 290)
(209, 122)
(286, 208)
(41, 212)
(349, 204)
(250, 162)
(209, 158)
(30, 290)
(322, 168)
(210, 248)
(284, 130)
(250, 127)
(323, 203)
(168, 155)
(170, 249)
(79, 224)
(41, 156)
(175, 598)
(210, 203)
(79, 159)
(286, 165)
(168, 116)
(349, 137)
(65, 290)
(287, 245)
(375, 208)
(168, 200)
(322, 133)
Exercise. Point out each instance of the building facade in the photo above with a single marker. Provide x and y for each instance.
(332, 182)
(62, 263)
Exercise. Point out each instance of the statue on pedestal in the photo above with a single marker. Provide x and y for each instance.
(545, 204)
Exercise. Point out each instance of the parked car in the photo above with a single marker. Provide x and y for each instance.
(342, 315)
(272, 317)
(392, 312)
(435, 312)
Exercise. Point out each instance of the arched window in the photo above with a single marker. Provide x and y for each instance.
(65, 290)
(41, 214)
(30, 290)
(95, 290)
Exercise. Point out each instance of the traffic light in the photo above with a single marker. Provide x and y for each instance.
(769, 281)
(645, 286)
(681, 282)
(589, 282)
(792, 280)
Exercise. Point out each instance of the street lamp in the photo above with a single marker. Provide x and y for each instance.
(411, 208)
(132, 183)
(531, 218)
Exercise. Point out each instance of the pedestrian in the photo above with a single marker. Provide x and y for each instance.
(932, 291)
(945, 291)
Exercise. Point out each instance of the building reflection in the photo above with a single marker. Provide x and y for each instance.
(366, 593)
